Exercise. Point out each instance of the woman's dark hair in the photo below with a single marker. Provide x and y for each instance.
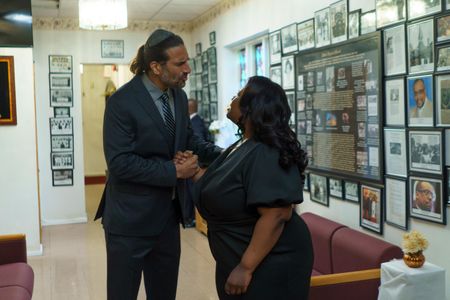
(265, 104)
(146, 54)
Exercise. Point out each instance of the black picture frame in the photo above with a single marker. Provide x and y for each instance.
(442, 104)
(335, 188)
(390, 12)
(62, 177)
(423, 86)
(198, 49)
(371, 208)
(305, 35)
(426, 151)
(61, 98)
(212, 38)
(396, 152)
(354, 23)
(338, 21)
(275, 47)
(443, 58)
(351, 191)
(425, 190)
(61, 143)
(318, 188)
(322, 30)
(61, 126)
(414, 13)
(61, 112)
(60, 63)
(368, 22)
(448, 185)
(442, 28)
(289, 40)
(394, 45)
(276, 75)
(394, 101)
(421, 56)
(288, 72)
(396, 202)
(60, 81)
(306, 182)
(112, 48)
(62, 160)
(8, 114)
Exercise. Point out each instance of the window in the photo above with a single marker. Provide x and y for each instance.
(253, 58)
(259, 61)
(242, 68)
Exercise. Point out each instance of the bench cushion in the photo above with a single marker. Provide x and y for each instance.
(14, 293)
(17, 274)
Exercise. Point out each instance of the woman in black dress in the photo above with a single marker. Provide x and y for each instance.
(262, 248)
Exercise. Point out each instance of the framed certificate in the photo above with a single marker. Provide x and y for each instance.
(112, 48)
(396, 202)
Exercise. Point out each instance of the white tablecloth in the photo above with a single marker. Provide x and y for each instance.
(400, 282)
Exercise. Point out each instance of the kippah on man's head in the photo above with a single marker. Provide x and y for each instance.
(158, 36)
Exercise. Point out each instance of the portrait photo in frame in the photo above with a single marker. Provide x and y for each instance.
(351, 191)
(443, 28)
(426, 200)
(390, 12)
(318, 189)
(288, 72)
(426, 151)
(353, 23)
(371, 208)
(61, 97)
(275, 47)
(396, 202)
(396, 159)
(421, 8)
(394, 50)
(305, 35)
(395, 101)
(338, 21)
(60, 63)
(336, 189)
(62, 177)
(421, 46)
(112, 48)
(443, 100)
(322, 27)
(60, 81)
(8, 115)
(368, 22)
(289, 42)
(420, 101)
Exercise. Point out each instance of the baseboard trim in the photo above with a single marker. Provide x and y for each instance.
(38, 252)
(64, 221)
(94, 179)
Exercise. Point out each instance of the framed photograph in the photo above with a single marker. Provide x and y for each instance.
(371, 208)
(212, 74)
(421, 46)
(198, 65)
(305, 35)
(447, 4)
(288, 72)
(61, 97)
(368, 22)
(395, 149)
(448, 185)
(198, 49)
(192, 81)
(318, 189)
(353, 23)
(8, 114)
(213, 93)
(425, 198)
(213, 109)
(61, 126)
(396, 200)
(447, 147)
(205, 94)
(443, 58)
(62, 143)
(289, 41)
(112, 48)
(275, 74)
(60, 81)
(60, 63)
(390, 12)
(443, 100)
(61, 112)
(62, 177)
(420, 8)
(199, 82)
(275, 47)
(62, 160)
(306, 182)
(394, 50)
(420, 101)
(443, 28)
(395, 101)
(322, 27)
(212, 55)
(290, 95)
(351, 191)
(338, 15)
(335, 187)
(212, 38)
(425, 151)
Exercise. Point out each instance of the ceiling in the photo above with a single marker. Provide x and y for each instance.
(148, 10)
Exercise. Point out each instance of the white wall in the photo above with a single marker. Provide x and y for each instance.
(19, 201)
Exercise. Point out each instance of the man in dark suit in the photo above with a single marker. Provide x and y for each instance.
(198, 125)
(146, 130)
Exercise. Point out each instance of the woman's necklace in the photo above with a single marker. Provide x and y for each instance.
(240, 143)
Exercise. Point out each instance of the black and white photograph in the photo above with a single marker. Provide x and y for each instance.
(212, 38)
(288, 72)
(420, 8)
(318, 189)
(336, 188)
(62, 143)
(396, 161)
(290, 95)
(61, 97)
(443, 100)
(390, 12)
(395, 102)
(62, 160)
(420, 101)
(305, 35)
(443, 28)
(371, 208)
(351, 191)
(275, 74)
(61, 112)
(425, 151)
(61, 126)
(198, 49)
(396, 203)
(448, 185)
(112, 48)
(322, 27)
(330, 79)
(353, 23)
(394, 50)
(213, 107)
(212, 73)
(192, 79)
(60, 81)
(199, 82)
(213, 92)
(426, 199)
(338, 18)
(205, 94)
(212, 56)
(421, 46)
(62, 177)
(275, 47)
(289, 41)
(198, 65)
(306, 182)
(368, 22)
(443, 58)
(60, 63)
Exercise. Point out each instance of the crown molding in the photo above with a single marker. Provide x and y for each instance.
(215, 12)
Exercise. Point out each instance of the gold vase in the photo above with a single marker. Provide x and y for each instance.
(414, 260)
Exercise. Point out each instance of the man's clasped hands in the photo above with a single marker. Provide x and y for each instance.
(186, 164)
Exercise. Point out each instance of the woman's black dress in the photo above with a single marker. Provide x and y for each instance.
(227, 197)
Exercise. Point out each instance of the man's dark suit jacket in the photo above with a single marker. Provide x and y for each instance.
(138, 150)
(199, 128)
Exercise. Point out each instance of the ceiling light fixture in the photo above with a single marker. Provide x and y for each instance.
(103, 14)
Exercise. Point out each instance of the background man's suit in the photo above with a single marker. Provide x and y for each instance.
(199, 127)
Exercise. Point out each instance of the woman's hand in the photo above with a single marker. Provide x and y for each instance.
(198, 174)
(238, 281)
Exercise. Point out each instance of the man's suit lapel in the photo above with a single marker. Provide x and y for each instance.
(178, 116)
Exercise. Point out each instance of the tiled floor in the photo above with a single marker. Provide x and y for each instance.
(73, 266)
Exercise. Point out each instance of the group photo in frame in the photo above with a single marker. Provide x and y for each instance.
(62, 177)
(288, 72)
(305, 35)
(318, 188)
(421, 46)
(371, 208)
(61, 112)
(289, 42)
(60, 81)
(396, 202)
(368, 22)
(351, 191)
(275, 47)
(112, 48)
(443, 28)
(396, 160)
(336, 188)
(425, 199)
(8, 115)
(390, 12)
(214, 111)
(443, 58)
(338, 24)
(353, 23)
(421, 8)
(322, 27)
(61, 97)
(425, 151)
(62, 143)
(61, 126)
(60, 63)
(395, 101)
(394, 50)
(420, 101)
(443, 100)
(62, 160)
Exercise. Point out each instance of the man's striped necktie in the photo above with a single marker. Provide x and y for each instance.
(168, 116)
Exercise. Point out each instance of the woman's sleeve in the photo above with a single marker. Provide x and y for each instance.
(267, 183)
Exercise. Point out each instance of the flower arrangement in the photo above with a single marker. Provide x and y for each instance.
(414, 242)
